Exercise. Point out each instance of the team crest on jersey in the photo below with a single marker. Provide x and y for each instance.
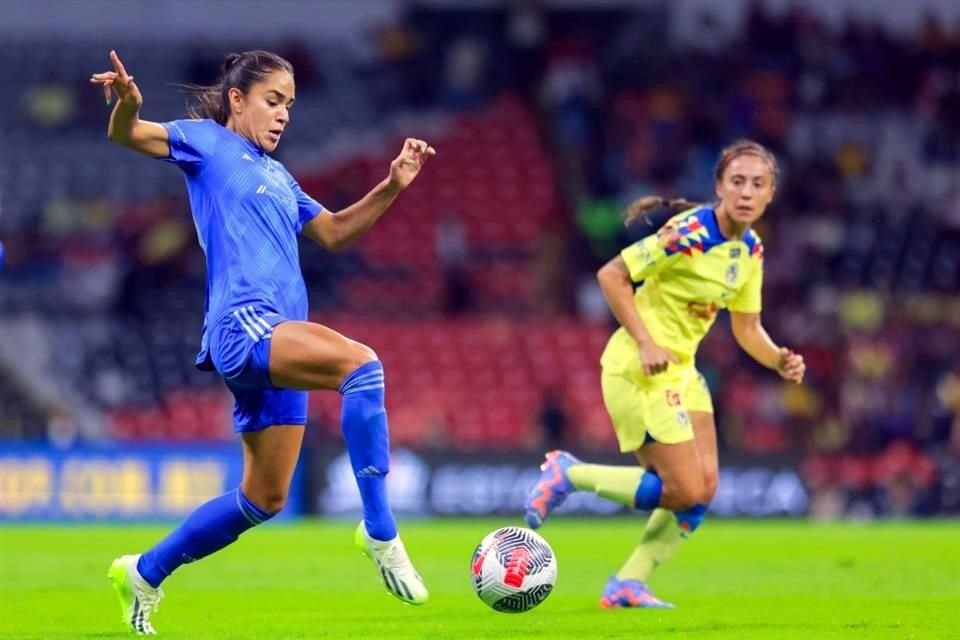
(673, 398)
(733, 272)
(735, 252)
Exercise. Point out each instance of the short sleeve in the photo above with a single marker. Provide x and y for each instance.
(307, 207)
(648, 256)
(192, 142)
(748, 299)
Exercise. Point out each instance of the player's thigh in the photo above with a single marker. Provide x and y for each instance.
(652, 421)
(306, 355)
(678, 466)
(269, 459)
(700, 405)
(706, 440)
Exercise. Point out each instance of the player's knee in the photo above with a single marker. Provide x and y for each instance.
(682, 494)
(269, 499)
(274, 501)
(357, 355)
(710, 483)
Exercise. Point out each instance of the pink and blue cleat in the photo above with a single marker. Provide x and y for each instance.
(551, 489)
(626, 594)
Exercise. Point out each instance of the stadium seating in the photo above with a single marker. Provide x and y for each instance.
(479, 383)
(493, 177)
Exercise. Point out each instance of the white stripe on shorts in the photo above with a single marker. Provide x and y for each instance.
(251, 320)
(266, 325)
(243, 323)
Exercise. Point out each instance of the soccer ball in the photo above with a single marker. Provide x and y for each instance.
(513, 570)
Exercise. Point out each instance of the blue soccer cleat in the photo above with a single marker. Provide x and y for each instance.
(626, 594)
(551, 490)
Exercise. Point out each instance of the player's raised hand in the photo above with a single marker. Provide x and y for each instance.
(791, 366)
(407, 165)
(118, 81)
(655, 359)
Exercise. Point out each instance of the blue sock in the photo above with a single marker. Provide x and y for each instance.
(647, 497)
(212, 526)
(364, 421)
(691, 518)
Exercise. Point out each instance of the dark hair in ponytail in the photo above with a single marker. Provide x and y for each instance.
(239, 71)
(643, 207)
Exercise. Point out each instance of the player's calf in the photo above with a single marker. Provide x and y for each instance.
(680, 494)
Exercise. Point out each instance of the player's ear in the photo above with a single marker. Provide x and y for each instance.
(235, 96)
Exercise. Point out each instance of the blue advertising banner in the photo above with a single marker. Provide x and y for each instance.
(432, 483)
(146, 482)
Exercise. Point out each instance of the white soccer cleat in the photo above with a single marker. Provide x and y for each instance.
(396, 570)
(137, 598)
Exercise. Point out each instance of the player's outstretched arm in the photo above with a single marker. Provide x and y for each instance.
(338, 230)
(754, 339)
(126, 128)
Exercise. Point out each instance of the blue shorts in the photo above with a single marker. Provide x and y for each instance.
(240, 351)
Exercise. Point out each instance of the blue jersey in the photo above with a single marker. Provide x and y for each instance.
(248, 211)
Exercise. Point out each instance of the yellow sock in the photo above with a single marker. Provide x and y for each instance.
(661, 539)
(617, 484)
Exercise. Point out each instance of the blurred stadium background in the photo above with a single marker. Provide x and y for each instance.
(477, 289)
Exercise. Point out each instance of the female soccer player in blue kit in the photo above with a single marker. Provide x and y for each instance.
(249, 211)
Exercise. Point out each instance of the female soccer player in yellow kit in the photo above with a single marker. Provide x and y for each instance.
(704, 259)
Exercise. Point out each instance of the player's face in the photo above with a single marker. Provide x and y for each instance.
(266, 109)
(746, 188)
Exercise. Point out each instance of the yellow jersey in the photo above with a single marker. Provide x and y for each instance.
(689, 272)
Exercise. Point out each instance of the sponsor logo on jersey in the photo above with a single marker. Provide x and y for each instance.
(702, 310)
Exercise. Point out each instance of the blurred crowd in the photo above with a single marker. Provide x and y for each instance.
(862, 242)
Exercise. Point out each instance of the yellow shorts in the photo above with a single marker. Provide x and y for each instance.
(654, 408)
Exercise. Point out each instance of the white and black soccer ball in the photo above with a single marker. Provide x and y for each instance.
(513, 569)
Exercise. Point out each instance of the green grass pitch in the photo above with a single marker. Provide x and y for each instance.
(738, 580)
